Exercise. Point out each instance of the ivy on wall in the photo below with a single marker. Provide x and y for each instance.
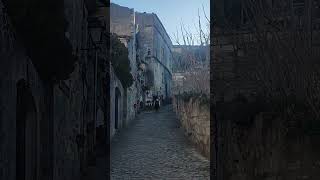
(120, 61)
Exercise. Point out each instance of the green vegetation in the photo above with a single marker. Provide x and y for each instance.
(120, 61)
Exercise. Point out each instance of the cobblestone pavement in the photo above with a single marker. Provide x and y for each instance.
(154, 147)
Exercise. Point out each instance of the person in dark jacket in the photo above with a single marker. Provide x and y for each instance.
(157, 104)
(141, 105)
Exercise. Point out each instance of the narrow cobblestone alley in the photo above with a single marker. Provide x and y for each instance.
(154, 147)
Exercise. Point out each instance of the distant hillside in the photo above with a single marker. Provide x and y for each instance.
(186, 57)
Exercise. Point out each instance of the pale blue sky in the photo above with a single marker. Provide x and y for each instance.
(173, 12)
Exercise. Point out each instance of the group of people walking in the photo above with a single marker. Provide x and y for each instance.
(153, 103)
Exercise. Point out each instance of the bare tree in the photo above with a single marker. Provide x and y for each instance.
(195, 58)
(286, 68)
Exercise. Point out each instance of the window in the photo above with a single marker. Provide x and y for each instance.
(162, 54)
(163, 78)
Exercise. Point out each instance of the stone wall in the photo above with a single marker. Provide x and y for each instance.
(15, 67)
(194, 115)
(63, 109)
(123, 24)
(268, 148)
(233, 73)
(116, 84)
(73, 107)
(162, 58)
(154, 48)
(122, 20)
(68, 118)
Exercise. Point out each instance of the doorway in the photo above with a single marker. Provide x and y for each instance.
(117, 107)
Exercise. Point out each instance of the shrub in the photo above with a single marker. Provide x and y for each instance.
(120, 61)
(203, 98)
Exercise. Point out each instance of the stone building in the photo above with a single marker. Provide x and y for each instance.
(117, 99)
(49, 103)
(150, 53)
(155, 52)
(123, 25)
